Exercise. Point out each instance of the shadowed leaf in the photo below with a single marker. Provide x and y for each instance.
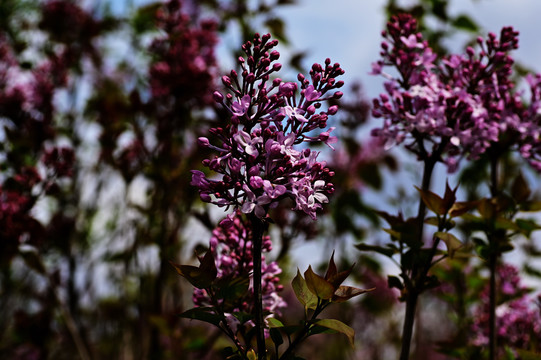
(338, 326)
(204, 314)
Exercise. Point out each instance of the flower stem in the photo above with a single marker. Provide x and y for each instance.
(414, 288)
(257, 239)
(407, 331)
(492, 306)
(493, 259)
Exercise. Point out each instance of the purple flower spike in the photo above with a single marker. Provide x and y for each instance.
(459, 105)
(258, 156)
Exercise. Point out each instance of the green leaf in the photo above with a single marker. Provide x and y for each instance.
(486, 208)
(389, 252)
(303, 294)
(145, 18)
(338, 326)
(394, 282)
(251, 355)
(243, 317)
(204, 314)
(528, 355)
(276, 336)
(534, 205)
(433, 220)
(464, 22)
(520, 191)
(331, 269)
(526, 226)
(201, 277)
(274, 323)
(277, 29)
(461, 207)
(231, 289)
(432, 201)
(318, 285)
(453, 244)
(344, 293)
(208, 265)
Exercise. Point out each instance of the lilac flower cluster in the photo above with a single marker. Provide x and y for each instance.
(530, 145)
(518, 320)
(231, 246)
(185, 65)
(459, 104)
(259, 156)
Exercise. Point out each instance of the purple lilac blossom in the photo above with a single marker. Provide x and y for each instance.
(530, 145)
(260, 157)
(459, 104)
(518, 317)
(231, 246)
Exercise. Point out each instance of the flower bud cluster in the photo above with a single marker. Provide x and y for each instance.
(460, 104)
(260, 156)
(231, 246)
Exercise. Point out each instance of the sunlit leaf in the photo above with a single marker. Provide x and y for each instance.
(274, 323)
(251, 355)
(303, 294)
(432, 201)
(318, 285)
(344, 293)
(461, 207)
(453, 244)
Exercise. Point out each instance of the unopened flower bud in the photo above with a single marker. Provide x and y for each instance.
(203, 142)
(226, 81)
(218, 97)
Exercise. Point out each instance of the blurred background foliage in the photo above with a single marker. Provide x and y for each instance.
(99, 112)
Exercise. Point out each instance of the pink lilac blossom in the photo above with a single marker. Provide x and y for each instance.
(185, 66)
(231, 246)
(260, 157)
(459, 104)
(530, 145)
(518, 318)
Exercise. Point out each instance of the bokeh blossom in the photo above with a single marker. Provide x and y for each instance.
(518, 315)
(231, 246)
(260, 156)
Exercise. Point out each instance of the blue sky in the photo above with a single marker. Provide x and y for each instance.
(348, 31)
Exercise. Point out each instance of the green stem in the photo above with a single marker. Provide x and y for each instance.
(492, 261)
(413, 291)
(257, 238)
(303, 334)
